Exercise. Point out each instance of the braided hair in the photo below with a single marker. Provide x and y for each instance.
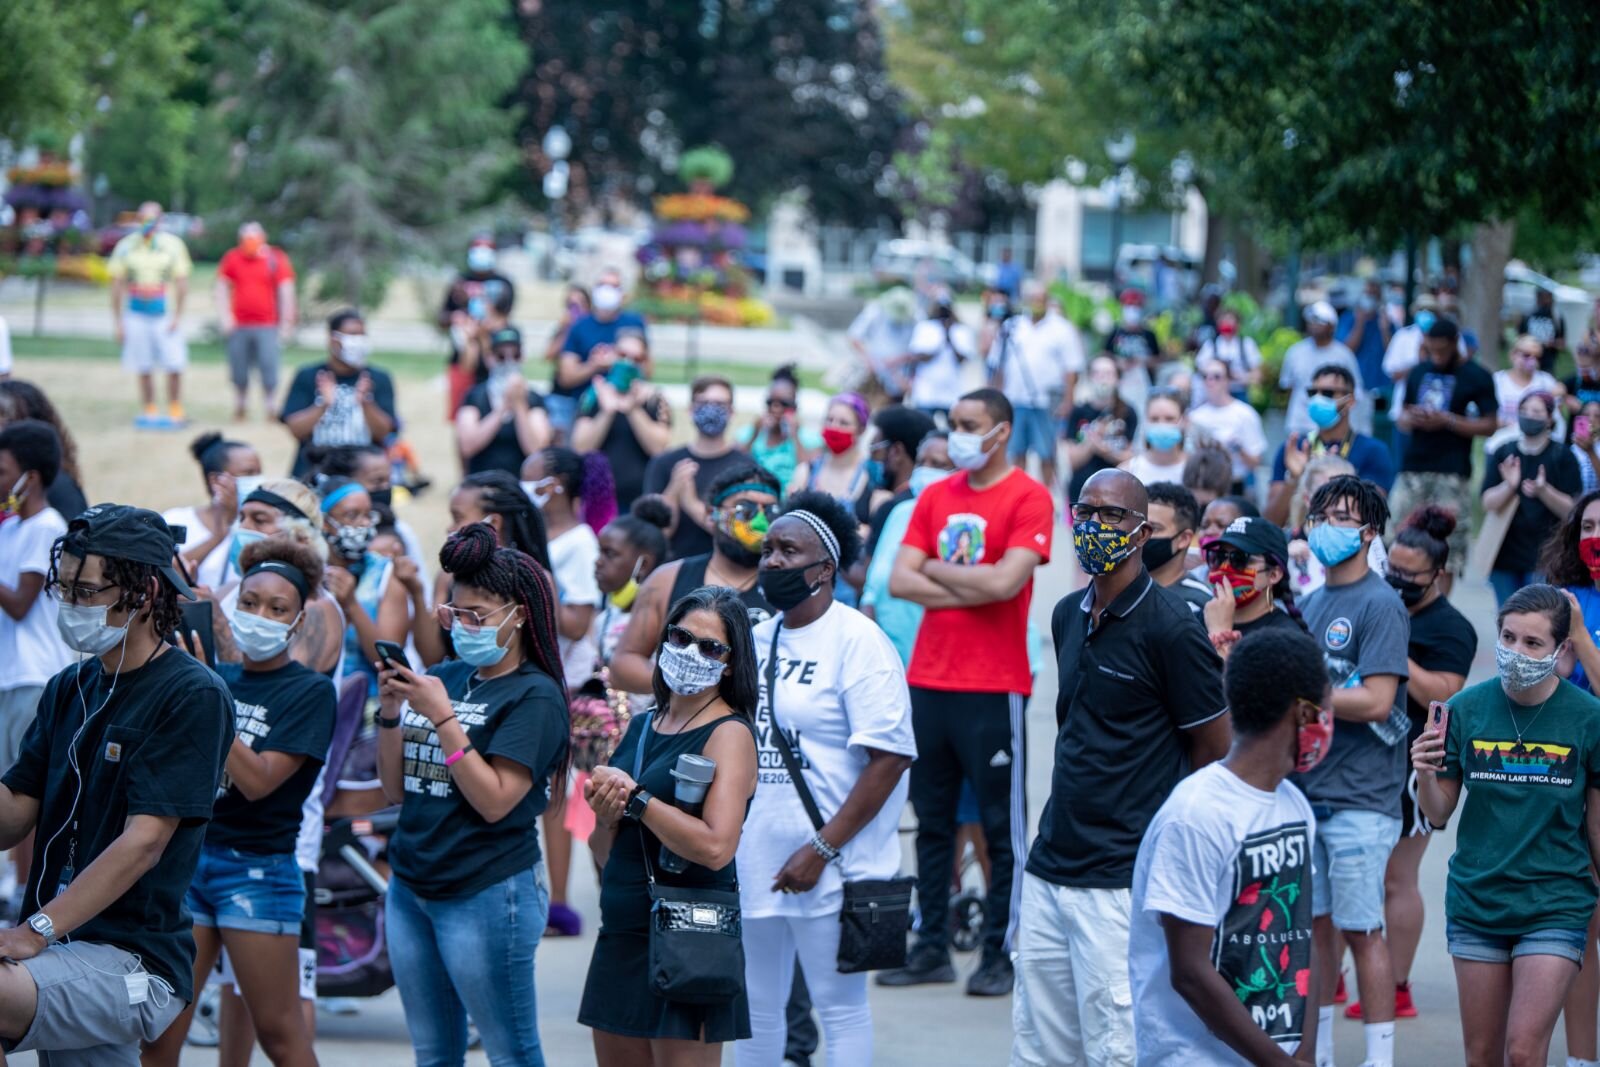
(501, 494)
(1368, 499)
(132, 580)
(586, 477)
(473, 557)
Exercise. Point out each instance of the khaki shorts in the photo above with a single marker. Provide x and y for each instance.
(97, 1004)
(1413, 489)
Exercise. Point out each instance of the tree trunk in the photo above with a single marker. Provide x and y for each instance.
(1232, 235)
(1482, 286)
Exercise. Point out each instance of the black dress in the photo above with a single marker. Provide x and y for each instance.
(617, 997)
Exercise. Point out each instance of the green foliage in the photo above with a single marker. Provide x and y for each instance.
(145, 147)
(1553, 246)
(708, 163)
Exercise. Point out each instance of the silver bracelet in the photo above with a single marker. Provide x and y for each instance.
(823, 849)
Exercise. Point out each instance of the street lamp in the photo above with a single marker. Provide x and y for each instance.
(557, 146)
(1119, 150)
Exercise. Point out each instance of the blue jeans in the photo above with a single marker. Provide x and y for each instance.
(470, 956)
(1351, 854)
(1468, 943)
(1032, 430)
(1504, 583)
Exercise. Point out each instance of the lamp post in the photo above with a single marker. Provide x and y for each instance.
(1119, 150)
(557, 146)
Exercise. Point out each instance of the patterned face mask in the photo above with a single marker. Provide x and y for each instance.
(1100, 546)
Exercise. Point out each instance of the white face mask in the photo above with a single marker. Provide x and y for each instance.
(686, 671)
(480, 258)
(353, 348)
(539, 491)
(606, 298)
(259, 637)
(967, 449)
(84, 628)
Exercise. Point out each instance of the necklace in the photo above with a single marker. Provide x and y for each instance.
(1512, 711)
(695, 716)
(740, 587)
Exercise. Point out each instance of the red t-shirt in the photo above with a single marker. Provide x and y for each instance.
(982, 649)
(255, 281)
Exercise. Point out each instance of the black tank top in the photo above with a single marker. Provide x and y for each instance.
(692, 575)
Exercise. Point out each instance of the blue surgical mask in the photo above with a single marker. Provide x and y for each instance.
(922, 477)
(1334, 544)
(1425, 320)
(241, 540)
(481, 649)
(1163, 436)
(1324, 411)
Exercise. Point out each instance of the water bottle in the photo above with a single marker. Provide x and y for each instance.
(693, 774)
(1391, 730)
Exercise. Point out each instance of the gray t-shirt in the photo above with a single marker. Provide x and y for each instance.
(1363, 629)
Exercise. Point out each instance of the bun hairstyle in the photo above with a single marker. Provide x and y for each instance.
(645, 526)
(211, 450)
(787, 373)
(1428, 530)
(286, 548)
(1559, 561)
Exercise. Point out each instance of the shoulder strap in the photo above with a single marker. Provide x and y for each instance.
(791, 762)
(638, 765)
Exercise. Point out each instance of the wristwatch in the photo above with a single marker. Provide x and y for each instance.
(41, 925)
(637, 800)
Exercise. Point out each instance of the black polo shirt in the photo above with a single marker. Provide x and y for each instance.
(1127, 690)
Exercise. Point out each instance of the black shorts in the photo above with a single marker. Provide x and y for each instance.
(308, 921)
(1412, 821)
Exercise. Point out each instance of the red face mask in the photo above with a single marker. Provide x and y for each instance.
(1227, 329)
(1312, 741)
(1589, 552)
(1243, 583)
(838, 441)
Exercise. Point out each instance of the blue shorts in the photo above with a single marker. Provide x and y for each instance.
(1351, 854)
(1468, 943)
(235, 890)
(1033, 432)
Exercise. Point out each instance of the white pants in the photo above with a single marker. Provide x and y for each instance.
(147, 345)
(840, 1000)
(1073, 1004)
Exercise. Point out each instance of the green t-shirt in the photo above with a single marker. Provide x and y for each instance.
(1522, 857)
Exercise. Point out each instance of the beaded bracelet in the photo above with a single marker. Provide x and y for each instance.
(1224, 638)
(823, 849)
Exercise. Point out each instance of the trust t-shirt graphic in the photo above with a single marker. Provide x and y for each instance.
(1263, 944)
(963, 538)
(1521, 762)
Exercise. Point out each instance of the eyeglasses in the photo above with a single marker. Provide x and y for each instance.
(75, 593)
(1107, 513)
(1331, 394)
(1413, 577)
(1337, 518)
(746, 510)
(709, 647)
(471, 622)
(1218, 554)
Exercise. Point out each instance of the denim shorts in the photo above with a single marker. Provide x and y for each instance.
(235, 890)
(1033, 432)
(1467, 943)
(1351, 853)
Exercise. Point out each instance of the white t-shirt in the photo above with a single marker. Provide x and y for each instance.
(1508, 394)
(1148, 471)
(1236, 427)
(1300, 365)
(1238, 353)
(937, 383)
(31, 649)
(1036, 359)
(5, 347)
(572, 559)
(212, 569)
(841, 690)
(1223, 854)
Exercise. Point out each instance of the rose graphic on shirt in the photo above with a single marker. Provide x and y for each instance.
(1262, 947)
(962, 540)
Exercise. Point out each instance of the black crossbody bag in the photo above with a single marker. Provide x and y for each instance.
(877, 911)
(696, 936)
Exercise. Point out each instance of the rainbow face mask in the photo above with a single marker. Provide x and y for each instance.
(748, 525)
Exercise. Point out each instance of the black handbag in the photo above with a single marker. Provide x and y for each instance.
(877, 911)
(696, 937)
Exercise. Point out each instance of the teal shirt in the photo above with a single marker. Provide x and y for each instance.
(1522, 857)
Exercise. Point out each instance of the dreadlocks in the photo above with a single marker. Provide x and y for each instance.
(1370, 506)
(500, 494)
(133, 585)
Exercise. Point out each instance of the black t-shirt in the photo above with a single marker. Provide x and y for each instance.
(1441, 640)
(1276, 619)
(880, 516)
(690, 538)
(504, 452)
(627, 457)
(65, 496)
(1533, 521)
(343, 422)
(443, 848)
(1126, 344)
(476, 294)
(155, 744)
(1585, 389)
(1547, 327)
(288, 710)
(1454, 390)
(1117, 430)
(1128, 690)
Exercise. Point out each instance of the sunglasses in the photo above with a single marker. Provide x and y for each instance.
(774, 404)
(709, 647)
(747, 510)
(1331, 394)
(1218, 555)
(1107, 513)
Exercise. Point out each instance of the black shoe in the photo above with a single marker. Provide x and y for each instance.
(925, 967)
(993, 978)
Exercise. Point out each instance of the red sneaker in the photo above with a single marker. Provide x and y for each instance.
(1403, 1006)
(1339, 995)
(1353, 1011)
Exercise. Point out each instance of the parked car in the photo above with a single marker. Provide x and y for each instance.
(904, 261)
(1136, 268)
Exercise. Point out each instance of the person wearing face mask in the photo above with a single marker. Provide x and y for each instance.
(208, 547)
(142, 267)
(632, 546)
(1135, 346)
(1332, 397)
(1205, 990)
(1147, 707)
(1520, 897)
(502, 420)
(742, 502)
(255, 305)
(880, 335)
(480, 293)
(1247, 566)
(1362, 627)
(841, 471)
(1163, 456)
(1036, 360)
(897, 617)
(473, 751)
(1236, 352)
(682, 475)
(968, 556)
(706, 692)
(1174, 518)
(590, 348)
(376, 608)
(342, 401)
(370, 466)
(1405, 351)
(900, 432)
(625, 417)
(1520, 377)
(1101, 429)
(116, 777)
(837, 692)
(1365, 330)
(1302, 361)
(1439, 656)
(1229, 424)
(249, 894)
(1536, 479)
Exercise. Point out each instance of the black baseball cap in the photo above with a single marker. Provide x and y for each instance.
(1256, 536)
(506, 335)
(118, 531)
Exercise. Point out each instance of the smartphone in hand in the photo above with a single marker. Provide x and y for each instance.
(1439, 716)
(391, 654)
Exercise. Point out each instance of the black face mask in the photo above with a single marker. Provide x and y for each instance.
(1158, 553)
(734, 552)
(381, 497)
(1411, 593)
(787, 589)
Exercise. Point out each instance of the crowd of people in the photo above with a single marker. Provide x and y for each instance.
(731, 666)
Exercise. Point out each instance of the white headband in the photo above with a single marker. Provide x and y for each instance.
(825, 535)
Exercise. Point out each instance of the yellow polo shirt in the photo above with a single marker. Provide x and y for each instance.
(148, 264)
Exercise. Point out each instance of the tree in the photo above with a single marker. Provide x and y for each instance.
(796, 91)
(367, 129)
